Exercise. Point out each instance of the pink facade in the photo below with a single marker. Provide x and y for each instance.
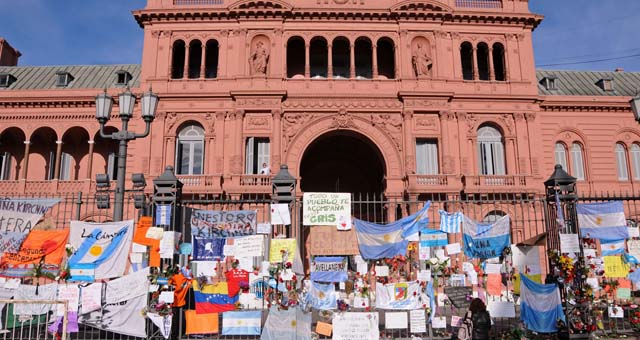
(398, 97)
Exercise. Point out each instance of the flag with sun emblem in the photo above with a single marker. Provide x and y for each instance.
(377, 241)
(101, 249)
(289, 324)
(604, 221)
(241, 323)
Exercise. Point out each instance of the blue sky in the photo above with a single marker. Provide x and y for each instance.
(104, 32)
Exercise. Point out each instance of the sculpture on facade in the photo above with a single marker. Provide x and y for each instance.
(421, 62)
(259, 59)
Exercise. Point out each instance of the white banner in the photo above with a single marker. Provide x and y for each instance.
(320, 208)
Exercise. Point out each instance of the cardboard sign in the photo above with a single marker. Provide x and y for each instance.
(329, 241)
(326, 208)
(615, 267)
(288, 244)
(324, 328)
(460, 297)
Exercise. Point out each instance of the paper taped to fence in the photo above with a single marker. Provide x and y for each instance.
(327, 208)
(324, 240)
(222, 224)
(348, 326)
(102, 249)
(201, 323)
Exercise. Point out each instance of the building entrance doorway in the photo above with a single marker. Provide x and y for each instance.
(343, 161)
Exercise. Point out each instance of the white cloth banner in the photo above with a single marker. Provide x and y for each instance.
(122, 317)
(162, 322)
(26, 292)
(115, 264)
(128, 286)
(5, 294)
(291, 324)
(401, 295)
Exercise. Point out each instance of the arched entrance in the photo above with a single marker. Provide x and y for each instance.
(343, 161)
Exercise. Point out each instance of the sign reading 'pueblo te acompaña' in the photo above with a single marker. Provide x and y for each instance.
(334, 209)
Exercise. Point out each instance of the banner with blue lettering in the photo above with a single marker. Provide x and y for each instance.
(223, 224)
(329, 269)
(22, 214)
(208, 249)
(486, 240)
(101, 249)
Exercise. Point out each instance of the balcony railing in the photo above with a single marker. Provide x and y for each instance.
(479, 3)
(441, 183)
(197, 2)
(495, 182)
(255, 181)
(200, 183)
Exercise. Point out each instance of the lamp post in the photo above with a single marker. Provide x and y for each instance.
(126, 102)
(635, 106)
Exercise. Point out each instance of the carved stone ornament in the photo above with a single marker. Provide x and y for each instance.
(518, 116)
(530, 116)
(259, 59)
(392, 125)
(170, 121)
(422, 63)
(211, 119)
(342, 120)
(258, 121)
(292, 124)
(471, 123)
(508, 122)
(410, 164)
(427, 123)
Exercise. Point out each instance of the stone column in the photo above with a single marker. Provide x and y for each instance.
(202, 60)
(374, 58)
(56, 169)
(475, 63)
(219, 151)
(444, 142)
(491, 66)
(409, 145)
(276, 158)
(307, 64)
(329, 63)
(511, 166)
(522, 144)
(170, 147)
(25, 168)
(90, 161)
(237, 162)
(185, 75)
(352, 61)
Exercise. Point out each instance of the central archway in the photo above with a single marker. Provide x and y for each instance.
(343, 161)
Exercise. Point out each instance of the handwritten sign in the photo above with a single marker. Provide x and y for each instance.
(396, 320)
(249, 245)
(21, 215)
(323, 328)
(453, 248)
(569, 243)
(439, 322)
(278, 245)
(460, 297)
(615, 267)
(212, 223)
(355, 326)
(418, 321)
(456, 321)
(494, 284)
(90, 298)
(502, 309)
(634, 248)
(69, 293)
(327, 208)
(329, 241)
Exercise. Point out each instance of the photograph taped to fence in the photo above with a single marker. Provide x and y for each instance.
(220, 224)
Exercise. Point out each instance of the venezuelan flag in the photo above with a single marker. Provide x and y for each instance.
(213, 298)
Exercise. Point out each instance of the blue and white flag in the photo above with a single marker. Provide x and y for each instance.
(432, 300)
(163, 214)
(377, 241)
(604, 221)
(241, 323)
(612, 247)
(290, 324)
(486, 240)
(450, 222)
(329, 269)
(559, 212)
(433, 238)
(102, 249)
(634, 276)
(323, 296)
(208, 249)
(540, 305)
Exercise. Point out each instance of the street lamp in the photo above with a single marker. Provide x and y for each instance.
(126, 102)
(635, 106)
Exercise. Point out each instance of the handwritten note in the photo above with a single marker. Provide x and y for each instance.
(166, 297)
(569, 243)
(502, 309)
(355, 326)
(453, 248)
(418, 321)
(249, 245)
(456, 321)
(615, 267)
(494, 284)
(155, 233)
(90, 298)
(382, 271)
(69, 293)
(264, 228)
(634, 248)
(277, 245)
(424, 253)
(439, 322)
(323, 328)
(396, 320)
(280, 214)
(424, 275)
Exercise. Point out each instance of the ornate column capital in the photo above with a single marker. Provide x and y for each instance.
(407, 114)
(530, 116)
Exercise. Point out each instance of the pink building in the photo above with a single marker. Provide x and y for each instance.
(396, 97)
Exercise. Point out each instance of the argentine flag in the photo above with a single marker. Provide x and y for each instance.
(242, 323)
(323, 296)
(604, 221)
(450, 222)
(613, 247)
(377, 241)
(540, 305)
(486, 240)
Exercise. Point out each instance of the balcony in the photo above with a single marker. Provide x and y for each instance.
(496, 183)
(479, 3)
(200, 183)
(240, 184)
(434, 183)
(40, 187)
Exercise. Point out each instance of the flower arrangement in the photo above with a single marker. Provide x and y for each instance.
(155, 306)
(564, 266)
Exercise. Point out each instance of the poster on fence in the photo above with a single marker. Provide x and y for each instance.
(222, 224)
(329, 241)
(350, 326)
(327, 208)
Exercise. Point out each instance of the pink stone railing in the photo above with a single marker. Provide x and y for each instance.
(197, 2)
(255, 181)
(442, 183)
(11, 187)
(204, 183)
(494, 181)
(479, 3)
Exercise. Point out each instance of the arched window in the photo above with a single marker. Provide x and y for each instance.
(490, 151)
(621, 162)
(295, 57)
(195, 59)
(177, 60)
(499, 67)
(386, 58)
(561, 155)
(211, 59)
(483, 61)
(318, 57)
(363, 53)
(341, 58)
(577, 161)
(466, 57)
(635, 160)
(493, 216)
(190, 150)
